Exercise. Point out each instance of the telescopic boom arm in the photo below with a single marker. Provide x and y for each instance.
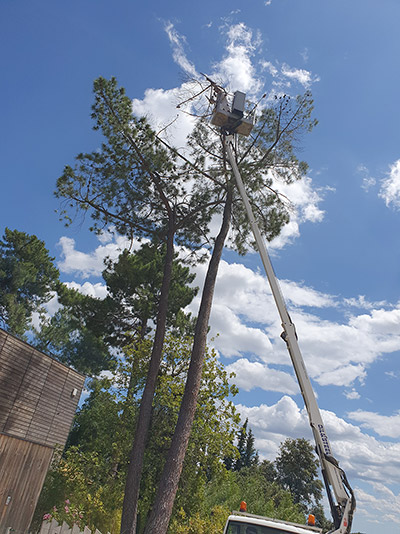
(340, 494)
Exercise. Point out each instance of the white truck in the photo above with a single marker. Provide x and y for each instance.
(341, 499)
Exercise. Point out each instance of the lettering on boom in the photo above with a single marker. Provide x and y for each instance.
(324, 439)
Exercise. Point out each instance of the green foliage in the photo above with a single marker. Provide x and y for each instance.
(28, 279)
(133, 283)
(247, 454)
(214, 523)
(263, 497)
(268, 154)
(213, 430)
(92, 471)
(68, 337)
(83, 331)
(80, 478)
(297, 471)
(133, 182)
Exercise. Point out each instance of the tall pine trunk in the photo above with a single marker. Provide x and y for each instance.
(132, 486)
(167, 488)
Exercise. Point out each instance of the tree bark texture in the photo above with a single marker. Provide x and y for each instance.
(132, 486)
(164, 501)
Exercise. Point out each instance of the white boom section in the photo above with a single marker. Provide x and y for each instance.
(344, 507)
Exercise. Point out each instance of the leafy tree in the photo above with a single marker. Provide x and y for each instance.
(268, 470)
(241, 446)
(270, 152)
(247, 453)
(100, 436)
(78, 484)
(297, 471)
(85, 330)
(28, 279)
(133, 284)
(251, 454)
(134, 184)
(69, 337)
(263, 497)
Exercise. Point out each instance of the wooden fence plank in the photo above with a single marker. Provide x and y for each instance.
(65, 529)
(52, 527)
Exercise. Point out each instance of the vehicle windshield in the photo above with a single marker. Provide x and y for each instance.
(237, 527)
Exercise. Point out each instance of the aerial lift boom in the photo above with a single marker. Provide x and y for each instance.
(340, 494)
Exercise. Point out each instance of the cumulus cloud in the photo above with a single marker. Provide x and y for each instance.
(98, 290)
(250, 375)
(352, 395)
(381, 507)
(246, 321)
(90, 264)
(236, 69)
(305, 207)
(390, 187)
(246, 325)
(383, 425)
(303, 76)
(273, 424)
(159, 107)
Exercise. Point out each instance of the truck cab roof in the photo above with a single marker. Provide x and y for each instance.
(244, 523)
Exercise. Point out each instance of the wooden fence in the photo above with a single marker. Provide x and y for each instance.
(52, 527)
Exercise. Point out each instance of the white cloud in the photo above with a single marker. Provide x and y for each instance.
(390, 187)
(246, 321)
(302, 76)
(98, 290)
(90, 264)
(236, 69)
(273, 424)
(381, 508)
(159, 107)
(245, 318)
(368, 181)
(383, 425)
(178, 42)
(301, 295)
(270, 67)
(352, 395)
(250, 375)
(379, 322)
(305, 201)
(361, 302)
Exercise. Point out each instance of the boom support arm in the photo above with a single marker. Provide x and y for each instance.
(340, 494)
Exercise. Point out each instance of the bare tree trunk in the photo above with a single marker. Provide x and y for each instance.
(130, 505)
(167, 488)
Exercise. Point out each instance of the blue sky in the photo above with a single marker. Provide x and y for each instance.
(338, 260)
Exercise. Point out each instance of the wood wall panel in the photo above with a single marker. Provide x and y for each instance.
(23, 467)
(35, 393)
